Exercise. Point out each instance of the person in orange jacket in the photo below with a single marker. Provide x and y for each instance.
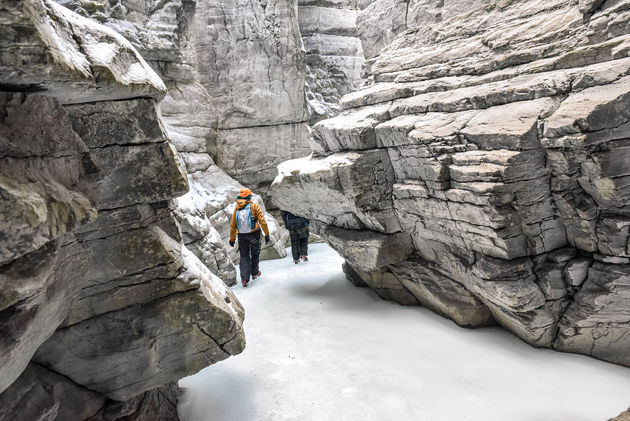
(247, 220)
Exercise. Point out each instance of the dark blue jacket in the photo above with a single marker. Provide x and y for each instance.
(294, 222)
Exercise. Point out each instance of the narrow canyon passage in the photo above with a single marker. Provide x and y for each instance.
(321, 349)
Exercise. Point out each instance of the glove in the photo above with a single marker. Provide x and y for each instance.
(231, 243)
(266, 239)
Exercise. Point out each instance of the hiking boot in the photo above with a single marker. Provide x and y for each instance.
(257, 275)
(304, 258)
(296, 261)
(245, 282)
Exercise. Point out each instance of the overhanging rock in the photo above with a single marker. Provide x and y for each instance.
(503, 132)
(95, 281)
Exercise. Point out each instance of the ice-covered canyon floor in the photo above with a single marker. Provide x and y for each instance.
(320, 349)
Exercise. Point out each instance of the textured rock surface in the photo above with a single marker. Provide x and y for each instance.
(100, 300)
(333, 53)
(381, 20)
(497, 140)
(235, 105)
(82, 61)
(250, 62)
(41, 394)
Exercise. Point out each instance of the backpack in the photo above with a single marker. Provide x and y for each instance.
(245, 219)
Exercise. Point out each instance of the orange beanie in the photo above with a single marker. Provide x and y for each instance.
(244, 192)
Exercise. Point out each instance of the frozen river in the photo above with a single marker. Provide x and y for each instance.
(319, 349)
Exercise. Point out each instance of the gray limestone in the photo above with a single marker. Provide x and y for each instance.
(368, 251)
(505, 126)
(334, 55)
(91, 245)
(82, 61)
(380, 21)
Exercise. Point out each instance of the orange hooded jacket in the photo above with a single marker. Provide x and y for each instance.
(256, 211)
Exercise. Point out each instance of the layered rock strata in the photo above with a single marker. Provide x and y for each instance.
(496, 144)
(235, 104)
(333, 53)
(251, 63)
(102, 307)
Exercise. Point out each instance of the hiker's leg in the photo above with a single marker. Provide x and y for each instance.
(295, 245)
(244, 264)
(255, 250)
(304, 245)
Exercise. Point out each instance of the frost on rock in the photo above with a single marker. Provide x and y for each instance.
(73, 58)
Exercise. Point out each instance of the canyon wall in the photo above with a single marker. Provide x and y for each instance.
(484, 174)
(115, 211)
(103, 308)
(334, 54)
(235, 105)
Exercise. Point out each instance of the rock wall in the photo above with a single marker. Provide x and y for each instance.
(235, 104)
(251, 63)
(380, 21)
(622, 417)
(333, 53)
(102, 307)
(486, 172)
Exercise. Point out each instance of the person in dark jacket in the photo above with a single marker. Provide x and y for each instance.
(247, 220)
(298, 231)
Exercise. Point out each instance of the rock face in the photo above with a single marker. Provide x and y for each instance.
(380, 21)
(102, 307)
(496, 142)
(333, 53)
(250, 62)
(235, 105)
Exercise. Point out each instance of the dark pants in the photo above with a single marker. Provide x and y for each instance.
(299, 243)
(249, 247)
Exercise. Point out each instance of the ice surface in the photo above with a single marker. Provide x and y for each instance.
(321, 349)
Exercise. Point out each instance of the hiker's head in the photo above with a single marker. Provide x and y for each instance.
(245, 194)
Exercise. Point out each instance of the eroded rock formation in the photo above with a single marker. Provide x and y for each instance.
(486, 170)
(333, 53)
(102, 307)
(235, 105)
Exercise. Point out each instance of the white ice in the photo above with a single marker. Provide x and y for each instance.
(320, 349)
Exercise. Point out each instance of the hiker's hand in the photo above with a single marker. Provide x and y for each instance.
(231, 243)
(266, 239)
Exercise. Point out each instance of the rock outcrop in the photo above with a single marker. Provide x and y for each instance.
(102, 307)
(251, 63)
(495, 143)
(235, 104)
